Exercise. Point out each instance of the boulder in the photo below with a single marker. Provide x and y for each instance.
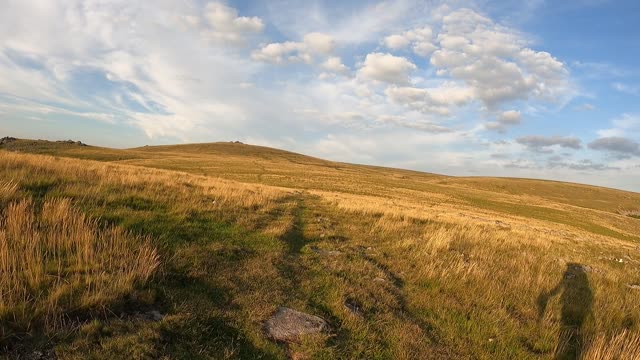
(288, 325)
(7, 139)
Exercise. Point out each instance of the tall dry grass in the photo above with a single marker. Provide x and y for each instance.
(85, 178)
(623, 346)
(7, 189)
(55, 260)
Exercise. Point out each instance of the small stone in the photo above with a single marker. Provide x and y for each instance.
(288, 325)
(352, 306)
(586, 268)
(633, 286)
(379, 279)
(155, 315)
(325, 252)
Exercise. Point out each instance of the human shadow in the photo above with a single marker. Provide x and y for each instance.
(576, 299)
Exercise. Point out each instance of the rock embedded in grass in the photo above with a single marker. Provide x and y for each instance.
(325, 252)
(288, 325)
(155, 315)
(7, 139)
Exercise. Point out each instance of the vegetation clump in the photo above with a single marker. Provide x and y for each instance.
(54, 260)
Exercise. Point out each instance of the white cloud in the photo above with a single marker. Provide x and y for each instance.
(334, 64)
(504, 120)
(495, 61)
(289, 51)
(421, 125)
(510, 117)
(625, 125)
(386, 68)
(319, 43)
(396, 42)
(437, 100)
(224, 24)
(420, 39)
(544, 143)
(278, 53)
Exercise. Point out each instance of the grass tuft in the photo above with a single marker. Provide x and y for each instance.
(54, 260)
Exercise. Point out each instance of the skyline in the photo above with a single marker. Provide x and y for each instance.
(541, 90)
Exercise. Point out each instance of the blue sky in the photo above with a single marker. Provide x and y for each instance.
(541, 89)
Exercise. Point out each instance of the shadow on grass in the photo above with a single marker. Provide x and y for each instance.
(294, 237)
(576, 299)
(205, 333)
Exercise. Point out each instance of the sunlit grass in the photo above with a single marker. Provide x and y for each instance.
(401, 264)
(55, 260)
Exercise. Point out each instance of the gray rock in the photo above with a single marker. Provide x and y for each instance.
(352, 306)
(325, 252)
(7, 139)
(633, 286)
(288, 325)
(155, 315)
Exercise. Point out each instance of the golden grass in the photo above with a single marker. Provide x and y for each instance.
(55, 260)
(623, 346)
(467, 262)
(230, 200)
(7, 190)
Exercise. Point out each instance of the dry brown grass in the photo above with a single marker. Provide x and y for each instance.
(7, 190)
(434, 264)
(55, 260)
(623, 346)
(628, 212)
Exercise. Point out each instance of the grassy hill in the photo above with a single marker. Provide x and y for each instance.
(401, 264)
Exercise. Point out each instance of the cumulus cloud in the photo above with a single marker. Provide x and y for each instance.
(386, 68)
(319, 43)
(619, 146)
(334, 64)
(543, 143)
(420, 39)
(313, 44)
(504, 120)
(278, 53)
(438, 100)
(477, 61)
(396, 42)
(495, 61)
(224, 24)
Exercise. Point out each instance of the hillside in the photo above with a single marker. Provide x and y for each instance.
(400, 264)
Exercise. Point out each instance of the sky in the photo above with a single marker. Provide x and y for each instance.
(538, 89)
